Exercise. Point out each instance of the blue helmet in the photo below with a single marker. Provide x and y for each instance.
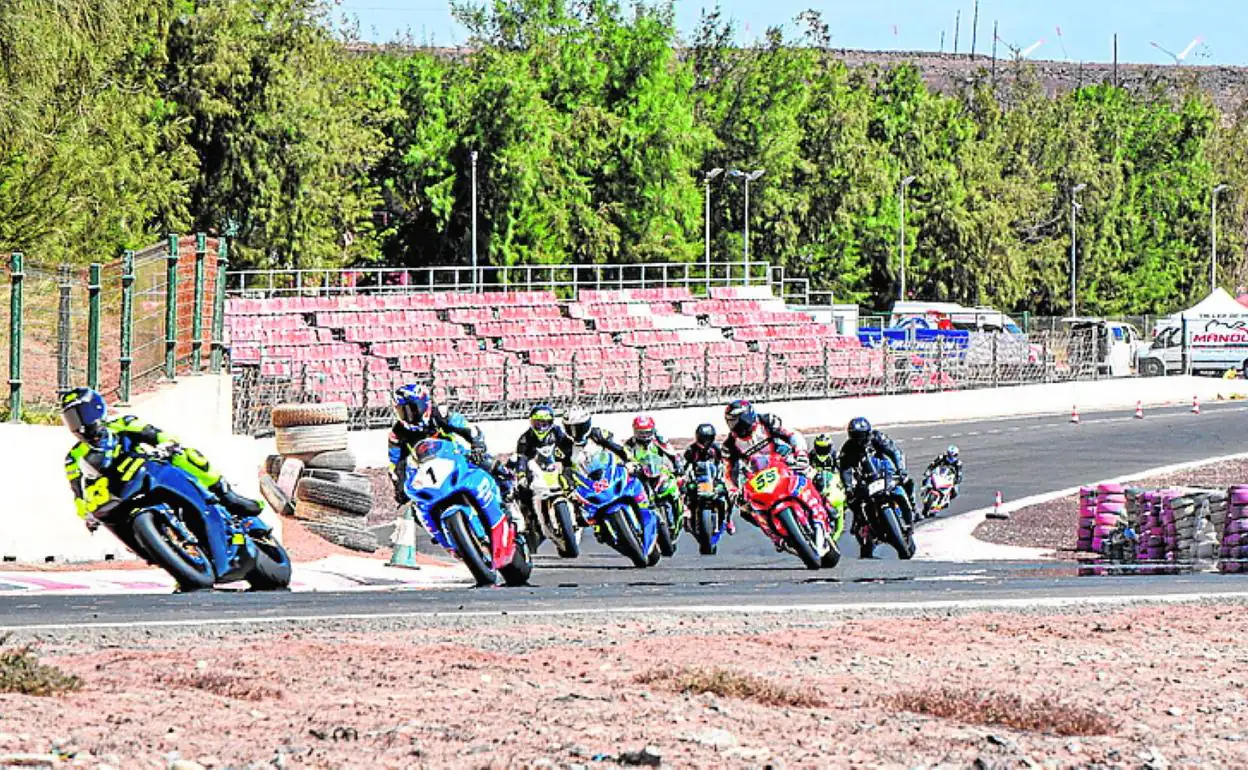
(413, 406)
(84, 412)
(859, 430)
(951, 454)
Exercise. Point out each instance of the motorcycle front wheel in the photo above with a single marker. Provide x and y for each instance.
(567, 528)
(184, 561)
(667, 541)
(469, 549)
(798, 538)
(895, 533)
(706, 528)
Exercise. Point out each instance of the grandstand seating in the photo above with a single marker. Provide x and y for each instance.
(527, 346)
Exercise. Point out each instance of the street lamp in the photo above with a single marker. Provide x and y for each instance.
(706, 180)
(901, 194)
(748, 177)
(1213, 237)
(1074, 208)
(475, 282)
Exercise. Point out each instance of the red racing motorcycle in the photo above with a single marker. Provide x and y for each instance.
(786, 506)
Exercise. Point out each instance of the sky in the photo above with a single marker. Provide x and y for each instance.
(1075, 30)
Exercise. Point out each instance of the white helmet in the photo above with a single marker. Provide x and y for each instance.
(578, 423)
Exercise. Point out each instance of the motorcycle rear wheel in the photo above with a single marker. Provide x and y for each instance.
(517, 573)
(469, 549)
(272, 570)
(156, 541)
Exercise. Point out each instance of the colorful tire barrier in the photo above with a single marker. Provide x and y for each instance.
(1234, 542)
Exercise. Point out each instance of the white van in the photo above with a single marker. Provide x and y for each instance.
(1217, 339)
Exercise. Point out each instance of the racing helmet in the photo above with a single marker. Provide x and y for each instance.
(413, 406)
(541, 420)
(859, 430)
(824, 447)
(643, 429)
(740, 417)
(578, 423)
(951, 454)
(84, 412)
(705, 435)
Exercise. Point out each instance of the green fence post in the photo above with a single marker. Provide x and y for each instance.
(127, 322)
(15, 337)
(93, 326)
(197, 314)
(171, 307)
(218, 309)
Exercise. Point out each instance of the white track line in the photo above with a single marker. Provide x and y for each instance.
(1042, 602)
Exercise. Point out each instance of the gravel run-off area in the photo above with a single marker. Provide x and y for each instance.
(1144, 686)
(1053, 525)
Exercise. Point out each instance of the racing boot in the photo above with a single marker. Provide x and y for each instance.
(238, 506)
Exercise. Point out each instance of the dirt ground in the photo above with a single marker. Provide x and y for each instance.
(1053, 524)
(1141, 687)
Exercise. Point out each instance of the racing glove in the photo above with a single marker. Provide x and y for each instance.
(92, 523)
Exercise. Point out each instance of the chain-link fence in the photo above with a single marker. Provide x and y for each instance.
(639, 378)
(116, 327)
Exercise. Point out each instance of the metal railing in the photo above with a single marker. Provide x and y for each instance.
(564, 280)
(653, 381)
(115, 327)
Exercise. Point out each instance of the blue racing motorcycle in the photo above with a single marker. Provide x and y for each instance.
(880, 494)
(167, 518)
(461, 507)
(616, 506)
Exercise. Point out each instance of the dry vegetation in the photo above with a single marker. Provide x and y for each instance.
(21, 672)
(1042, 715)
(730, 684)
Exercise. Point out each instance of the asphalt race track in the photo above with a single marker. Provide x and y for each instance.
(1019, 457)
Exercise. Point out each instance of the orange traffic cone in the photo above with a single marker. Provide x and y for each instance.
(1074, 415)
(1139, 410)
(997, 513)
(1195, 405)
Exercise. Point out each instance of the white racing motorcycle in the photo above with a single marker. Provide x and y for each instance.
(552, 504)
(938, 487)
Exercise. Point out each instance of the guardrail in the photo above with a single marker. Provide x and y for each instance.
(831, 371)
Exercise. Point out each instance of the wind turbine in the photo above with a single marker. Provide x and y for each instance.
(1178, 58)
(1022, 53)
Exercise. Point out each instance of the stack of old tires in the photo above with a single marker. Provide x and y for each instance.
(330, 499)
(1110, 506)
(1087, 518)
(1234, 549)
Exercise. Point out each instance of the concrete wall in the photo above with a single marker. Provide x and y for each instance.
(370, 446)
(37, 520)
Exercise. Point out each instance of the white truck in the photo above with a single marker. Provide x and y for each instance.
(1209, 337)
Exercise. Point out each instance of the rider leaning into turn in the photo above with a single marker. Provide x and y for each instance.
(579, 425)
(646, 439)
(417, 418)
(862, 438)
(703, 449)
(543, 432)
(823, 458)
(951, 460)
(749, 433)
(101, 440)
